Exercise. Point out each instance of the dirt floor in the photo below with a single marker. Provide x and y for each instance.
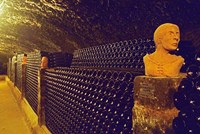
(11, 118)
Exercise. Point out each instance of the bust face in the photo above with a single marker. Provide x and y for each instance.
(44, 62)
(171, 38)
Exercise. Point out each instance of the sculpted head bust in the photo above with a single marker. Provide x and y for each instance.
(161, 62)
(44, 62)
(167, 37)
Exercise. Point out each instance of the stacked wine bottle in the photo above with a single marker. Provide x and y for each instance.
(187, 51)
(123, 54)
(33, 65)
(187, 100)
(59, 59)
(84, 101)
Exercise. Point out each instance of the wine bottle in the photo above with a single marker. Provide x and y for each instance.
(179, 125)
(186, 86)
(180, 100)
(197, 59)
(194, 100)
(197, 86)
(193, 72)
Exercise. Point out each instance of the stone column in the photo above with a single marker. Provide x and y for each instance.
(23, 84)
(154, 110)
(41, 97)
(15, 73)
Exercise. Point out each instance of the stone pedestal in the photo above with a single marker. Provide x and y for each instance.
(41, 97)
(23, 84)
(154, 110)
(15, 74)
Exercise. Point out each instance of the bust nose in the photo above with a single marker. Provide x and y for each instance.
(176, 37)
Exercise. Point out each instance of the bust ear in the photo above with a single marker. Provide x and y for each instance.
(159, 41)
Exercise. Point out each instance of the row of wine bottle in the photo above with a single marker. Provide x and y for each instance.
(113, 56)
(77, 74)
(59, 59)
(31, 89)
(116, 47)
(79, 104)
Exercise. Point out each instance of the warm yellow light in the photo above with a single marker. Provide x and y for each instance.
(2, 6)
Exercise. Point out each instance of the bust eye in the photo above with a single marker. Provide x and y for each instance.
(171, 33)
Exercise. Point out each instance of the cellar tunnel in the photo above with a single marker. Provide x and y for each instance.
(94, 48)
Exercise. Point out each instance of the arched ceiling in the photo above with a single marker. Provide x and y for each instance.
(66, 25)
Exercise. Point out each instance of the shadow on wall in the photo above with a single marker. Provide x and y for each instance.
(3, 68)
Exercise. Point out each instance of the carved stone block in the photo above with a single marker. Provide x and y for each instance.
(154, 110)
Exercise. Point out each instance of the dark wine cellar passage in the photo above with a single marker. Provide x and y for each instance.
(91, 90)
(95, 50)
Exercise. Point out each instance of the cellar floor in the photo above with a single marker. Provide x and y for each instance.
(11, 118)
